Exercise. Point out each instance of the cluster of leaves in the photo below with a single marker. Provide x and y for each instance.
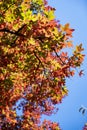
(85, 127)
(33, 65)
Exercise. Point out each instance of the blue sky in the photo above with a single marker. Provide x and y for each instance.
(75, 13)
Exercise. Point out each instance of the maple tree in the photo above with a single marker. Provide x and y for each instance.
(33, 63)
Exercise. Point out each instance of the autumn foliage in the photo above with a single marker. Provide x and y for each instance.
(85, 127)
(33, 63)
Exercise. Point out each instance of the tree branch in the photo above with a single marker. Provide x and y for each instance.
(38, 59)
(58, 56)
(14, 32)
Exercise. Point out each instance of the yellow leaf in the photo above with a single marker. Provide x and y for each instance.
(55, 64)
(32, 41)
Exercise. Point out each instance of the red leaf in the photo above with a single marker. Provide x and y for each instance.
(81, 73)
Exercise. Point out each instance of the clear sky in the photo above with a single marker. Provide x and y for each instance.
(75, 13)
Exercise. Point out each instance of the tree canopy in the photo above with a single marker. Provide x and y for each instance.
(33, 63)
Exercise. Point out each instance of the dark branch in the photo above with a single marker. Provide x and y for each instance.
(21, 28)
(14, 32)
(11, 32)
(58, 56)
(38, 59)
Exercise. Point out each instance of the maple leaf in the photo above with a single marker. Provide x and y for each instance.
(81, 73)
(69, 44)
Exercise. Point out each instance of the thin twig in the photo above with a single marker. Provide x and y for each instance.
(38, 59)
(58, 56)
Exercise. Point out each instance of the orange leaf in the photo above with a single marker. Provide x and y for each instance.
(69, 44)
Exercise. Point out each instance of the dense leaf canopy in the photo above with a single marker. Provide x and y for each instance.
(33, 63)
